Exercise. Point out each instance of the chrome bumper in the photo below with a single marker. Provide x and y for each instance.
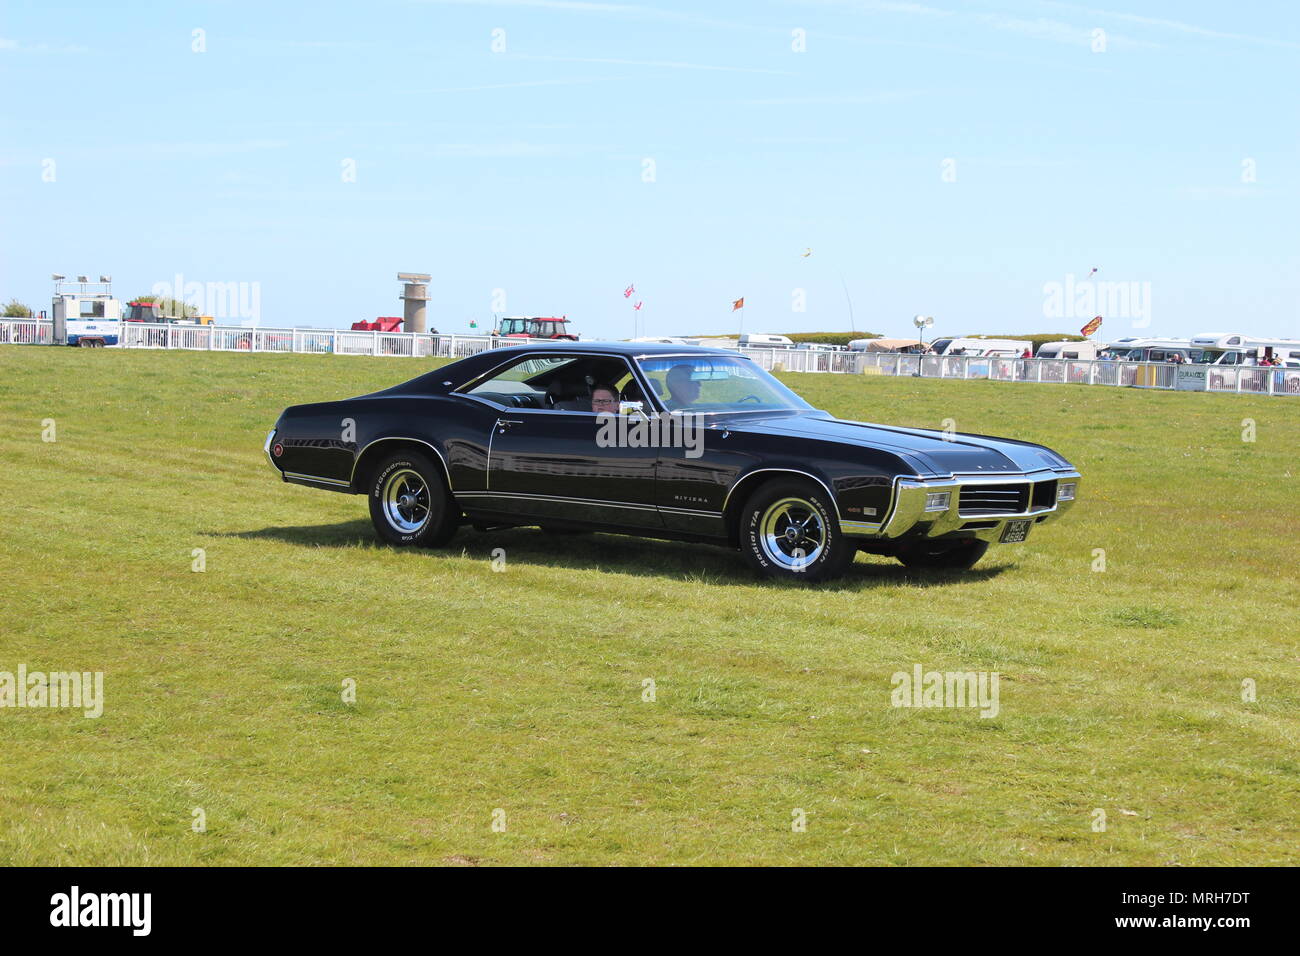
(266, 447)
(908, 511)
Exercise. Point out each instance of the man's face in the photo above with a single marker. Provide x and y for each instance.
(683, 388)
(603, 400)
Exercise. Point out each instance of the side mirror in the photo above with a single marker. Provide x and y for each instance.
(632, 408)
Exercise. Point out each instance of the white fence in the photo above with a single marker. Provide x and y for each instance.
(220, 338)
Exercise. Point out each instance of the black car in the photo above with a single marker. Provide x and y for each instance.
(692, 444)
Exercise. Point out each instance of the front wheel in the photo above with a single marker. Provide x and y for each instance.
(941, 556)
(789, 530)
(409, 504)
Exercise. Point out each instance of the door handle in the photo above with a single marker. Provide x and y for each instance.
(504, 423)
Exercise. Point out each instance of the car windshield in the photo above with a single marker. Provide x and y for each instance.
(716, 383)
(1211, 356)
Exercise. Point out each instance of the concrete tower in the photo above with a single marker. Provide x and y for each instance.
(415, 293)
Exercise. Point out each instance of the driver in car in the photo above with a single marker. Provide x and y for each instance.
(682, 389)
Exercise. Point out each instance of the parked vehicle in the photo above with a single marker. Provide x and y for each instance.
(1086, 351)
(157, 313)
(992, 348)
(86, 319)
(1234, 348)
(523, 327)
(884, 345)
(723, 454)
(760, 340)
(1150, 350)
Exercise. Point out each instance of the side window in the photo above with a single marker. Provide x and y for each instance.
(522, 384)
(560, 383)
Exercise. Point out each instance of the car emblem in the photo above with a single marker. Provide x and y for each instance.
(277, 450)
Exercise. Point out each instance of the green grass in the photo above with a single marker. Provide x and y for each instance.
(522, 690)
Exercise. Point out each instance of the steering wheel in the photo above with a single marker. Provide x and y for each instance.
(750, 398)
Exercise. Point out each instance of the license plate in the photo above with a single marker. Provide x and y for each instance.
(1015, 531)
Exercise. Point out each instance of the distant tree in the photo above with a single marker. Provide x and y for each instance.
(167, 306)
(16, 310)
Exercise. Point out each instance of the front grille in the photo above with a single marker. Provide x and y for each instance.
(993, 499)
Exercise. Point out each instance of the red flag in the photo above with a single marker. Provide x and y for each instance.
(1092, 326)
(738, 304)
(637, 307)
(627, 293)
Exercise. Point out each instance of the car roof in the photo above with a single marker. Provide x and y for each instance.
(439, 380)
(615, 348)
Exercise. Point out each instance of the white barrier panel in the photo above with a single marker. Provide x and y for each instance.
(26, 332)
(1253, 380)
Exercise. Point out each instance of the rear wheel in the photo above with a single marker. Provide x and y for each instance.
(943, 556)
(409, 504)
(789, 530)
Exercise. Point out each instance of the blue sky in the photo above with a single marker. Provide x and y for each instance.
(1171, 157)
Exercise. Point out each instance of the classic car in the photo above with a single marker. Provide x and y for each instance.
(692, 444)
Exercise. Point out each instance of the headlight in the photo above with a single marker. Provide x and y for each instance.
(1065, 491)
(937, 500)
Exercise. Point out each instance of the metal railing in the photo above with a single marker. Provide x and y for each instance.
(1154, 375)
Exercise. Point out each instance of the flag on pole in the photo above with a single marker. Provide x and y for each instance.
(1092, 326)
(627, 293)
(738, 304)
(637, 306)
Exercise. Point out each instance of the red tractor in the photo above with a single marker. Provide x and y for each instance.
(536, 328)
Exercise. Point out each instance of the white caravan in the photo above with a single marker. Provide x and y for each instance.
(1086, 351)
(760, 341)
(983, 348)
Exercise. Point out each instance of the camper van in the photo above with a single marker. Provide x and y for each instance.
(1150, 350)
(761, 341)
(1234, 348)
(1086, 351)
(986, 348)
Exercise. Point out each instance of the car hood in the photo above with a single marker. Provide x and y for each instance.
(931, 452)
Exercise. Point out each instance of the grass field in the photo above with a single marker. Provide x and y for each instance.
(521, 691)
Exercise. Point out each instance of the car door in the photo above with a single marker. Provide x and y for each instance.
(563, 463)
(554, 464)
